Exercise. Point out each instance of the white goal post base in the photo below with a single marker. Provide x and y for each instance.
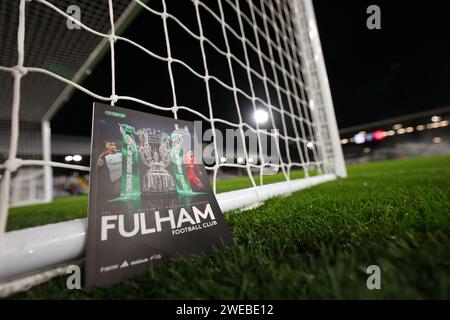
(27, 256)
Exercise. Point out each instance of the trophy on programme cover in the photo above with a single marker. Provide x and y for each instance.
(130, 183)
(154, 148)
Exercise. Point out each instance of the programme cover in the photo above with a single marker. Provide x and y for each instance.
(149, 198)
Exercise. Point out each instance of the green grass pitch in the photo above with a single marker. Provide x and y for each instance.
(313, 244)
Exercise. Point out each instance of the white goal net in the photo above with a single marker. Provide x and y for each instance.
(263, 57)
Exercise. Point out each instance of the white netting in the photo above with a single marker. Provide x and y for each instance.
(275, 33)
(270, 57)
(27, 183)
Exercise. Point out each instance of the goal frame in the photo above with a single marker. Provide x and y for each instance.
(34, 255)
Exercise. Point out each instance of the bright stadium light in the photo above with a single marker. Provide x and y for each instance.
(250, 160)
(397, 126)
(360, 138)
(261, 116)
(437, 139)
(310, 145)
(379, 135)
(433, 125)
(223, 159)
(68, 158)
(344, 141)
(436, 118)
(240, 160)
(409, 129)
(420, 127)
(390, 133)
(77, 158)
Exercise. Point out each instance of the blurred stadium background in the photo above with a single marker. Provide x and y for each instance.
(413, 135)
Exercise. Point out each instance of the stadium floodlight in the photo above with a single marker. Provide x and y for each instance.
(68, 158)
(379, 135)
(360, 138)
(261, 116)
(436, 118)
(77, 158)
(420, 127)
(296, 97)
(390, 133)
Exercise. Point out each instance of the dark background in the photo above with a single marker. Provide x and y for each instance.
(377, 74)
(373, 74)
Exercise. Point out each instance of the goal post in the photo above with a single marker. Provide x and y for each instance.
(309, 39)
(280, 59)
(47, 157)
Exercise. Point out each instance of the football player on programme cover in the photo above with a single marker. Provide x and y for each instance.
(192, 169)
(113, 160)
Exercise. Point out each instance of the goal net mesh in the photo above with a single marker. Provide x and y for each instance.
(27, 183)
(218, 61)
(255, 55)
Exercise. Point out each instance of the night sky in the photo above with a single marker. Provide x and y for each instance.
(400, 69)
(374, 74)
